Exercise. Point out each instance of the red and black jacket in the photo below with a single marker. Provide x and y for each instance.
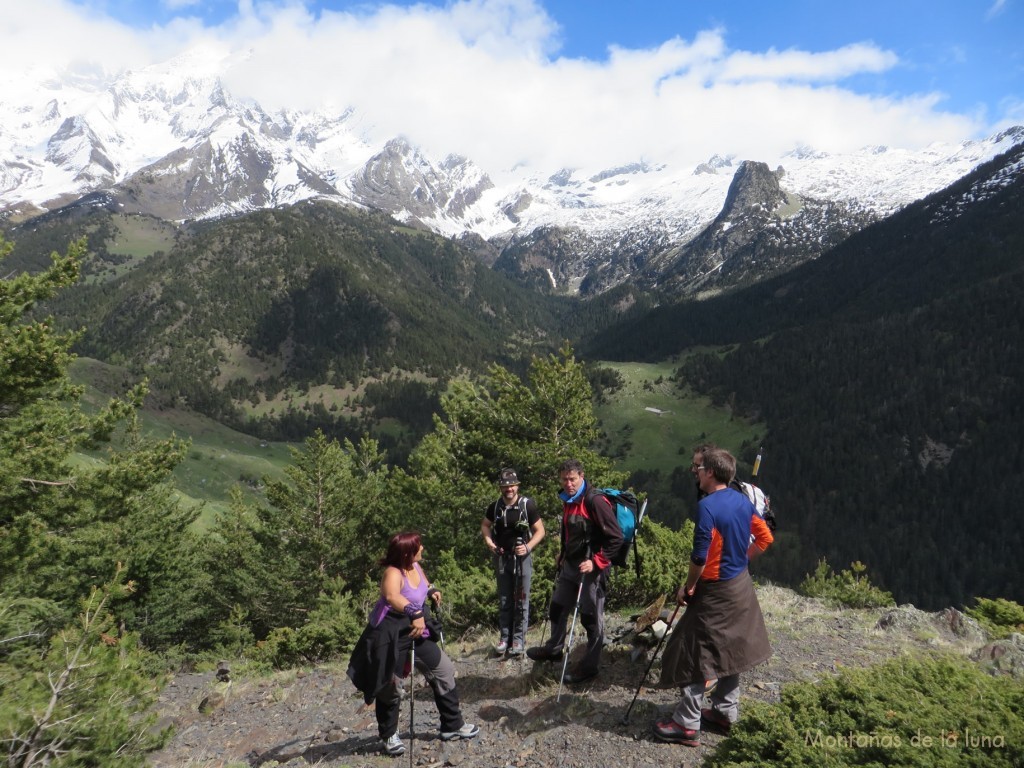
(590, 529)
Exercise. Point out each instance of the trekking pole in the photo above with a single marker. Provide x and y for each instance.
(516, 576)
(516, 611)
(436, 600)
(412, 701)
(657, 649)
(521, 602)
(636, 538)
(572, 632)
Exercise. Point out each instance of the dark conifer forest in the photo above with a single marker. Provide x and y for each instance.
(889, 375)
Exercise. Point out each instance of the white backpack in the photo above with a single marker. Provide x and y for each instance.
(762, 502)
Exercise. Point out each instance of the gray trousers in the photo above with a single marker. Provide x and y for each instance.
(563, 605)
(725, 700)
(514, 575)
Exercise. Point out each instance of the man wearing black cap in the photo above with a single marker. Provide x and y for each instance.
(512, 528)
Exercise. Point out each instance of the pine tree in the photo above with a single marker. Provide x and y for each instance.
(107, 532)
(501, 421)
(79, 699)
(327, 520)
(64, 526)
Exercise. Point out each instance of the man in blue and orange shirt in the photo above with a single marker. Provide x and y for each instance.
(722, 631)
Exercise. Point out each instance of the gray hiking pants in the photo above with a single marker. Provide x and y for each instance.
(514, 575)
(725, 700)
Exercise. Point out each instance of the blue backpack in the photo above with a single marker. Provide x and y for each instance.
(629, 514)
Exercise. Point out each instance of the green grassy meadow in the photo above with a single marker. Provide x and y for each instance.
(141, 236)
(136, 239)
(662, 438)
(220, 458)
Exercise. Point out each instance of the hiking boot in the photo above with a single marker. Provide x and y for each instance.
(501, 647)
(516, 649)
(467, 731)
(393, 745)
(671, 732)
(543, 653)
(580, 676)
(716, 719)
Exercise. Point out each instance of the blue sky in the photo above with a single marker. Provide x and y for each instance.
(972, 51)
(554, 81)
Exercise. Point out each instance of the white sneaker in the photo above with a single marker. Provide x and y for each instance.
(393, 745)
(468, 731)
(501, 647)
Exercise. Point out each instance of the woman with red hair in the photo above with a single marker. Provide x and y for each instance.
(398, 623)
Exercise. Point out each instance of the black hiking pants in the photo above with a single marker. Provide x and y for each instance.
(439, 671)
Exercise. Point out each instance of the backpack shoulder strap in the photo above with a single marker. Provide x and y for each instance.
(595, 516)
(746, 489)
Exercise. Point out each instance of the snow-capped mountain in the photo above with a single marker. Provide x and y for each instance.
(172, 142)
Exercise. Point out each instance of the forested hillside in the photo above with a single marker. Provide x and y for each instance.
(241, 318)
(107, 582)
(320, 292)
(889, 375)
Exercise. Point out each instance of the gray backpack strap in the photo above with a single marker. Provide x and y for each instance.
(500, 523)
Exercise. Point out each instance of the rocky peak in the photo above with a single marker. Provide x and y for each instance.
(761, 230)
(753, 186)
(713, 165)
(402, 181)
(178, 145)
(75, 143)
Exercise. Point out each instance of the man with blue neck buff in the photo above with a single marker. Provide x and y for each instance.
(590, 537)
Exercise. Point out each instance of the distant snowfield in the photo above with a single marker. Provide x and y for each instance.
(62, 139)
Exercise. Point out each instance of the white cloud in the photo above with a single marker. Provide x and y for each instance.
(996, 8)
(483, 78)
(829, 66)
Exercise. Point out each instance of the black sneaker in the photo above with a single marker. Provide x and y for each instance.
(543, 653)
(580, 676)
(715, 719)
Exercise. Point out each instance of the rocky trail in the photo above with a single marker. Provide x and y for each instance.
(315, 717)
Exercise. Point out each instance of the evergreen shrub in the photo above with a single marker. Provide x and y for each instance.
(851, 588)
(468, 592)
(664, 559)
(82, 697)
(999, 617)
(934, 712)
(331, 632)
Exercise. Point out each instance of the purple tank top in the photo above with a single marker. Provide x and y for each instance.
(415, 595)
